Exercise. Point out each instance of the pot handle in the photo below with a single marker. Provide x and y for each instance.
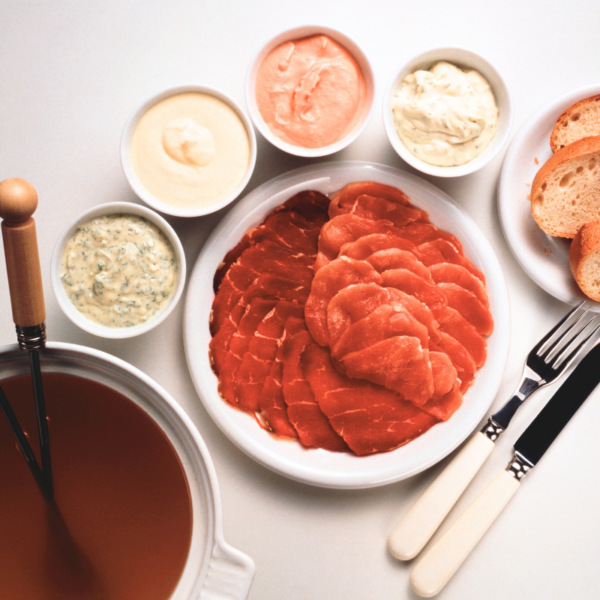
(230, 574)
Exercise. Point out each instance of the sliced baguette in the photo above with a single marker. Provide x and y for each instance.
(584, 259)
(580, 120)
(565, 193)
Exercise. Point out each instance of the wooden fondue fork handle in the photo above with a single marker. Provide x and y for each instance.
(18, 201)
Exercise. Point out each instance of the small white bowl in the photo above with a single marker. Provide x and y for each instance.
(116, 208)
(132, 177)
(296, 34)
(463, 59)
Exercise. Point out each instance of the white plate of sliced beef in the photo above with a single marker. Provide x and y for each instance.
(346, 325)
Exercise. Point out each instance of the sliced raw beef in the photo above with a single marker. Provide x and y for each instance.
(262, 350)
(384, 322)
(343, 230)
(328, 281)
(413, 285)
(452, 323)
(388, 347)
(278, 288)
(264, 257)
(368, 417)
(444, 373)
(375, 209)
(443, 408)
(449, 273)
(344, 200)
(369, 244)
(394, 258)
(461, 359)
(420, 233)
(306, 212)
(357, 301)
(442, 251)
(238, 345)
(467, 304)
(272, 413)
(313, 428)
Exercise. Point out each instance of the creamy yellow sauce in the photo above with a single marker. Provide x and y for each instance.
(445, 116)
(190, 150)
(119, 270)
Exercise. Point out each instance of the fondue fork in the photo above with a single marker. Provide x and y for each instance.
(547, 360)
(18, 201)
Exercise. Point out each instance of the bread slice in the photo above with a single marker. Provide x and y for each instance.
(580, 120)
(565, 193)
(584, 259)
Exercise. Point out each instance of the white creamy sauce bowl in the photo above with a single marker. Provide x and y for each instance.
(172, 208)
(466, 60)
(71, 311)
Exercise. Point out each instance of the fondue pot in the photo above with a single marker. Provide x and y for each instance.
(213, 568)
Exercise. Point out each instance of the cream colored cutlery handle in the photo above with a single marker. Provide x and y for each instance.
(418, 525)
(438, 565)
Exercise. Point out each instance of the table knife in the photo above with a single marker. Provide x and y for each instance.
(440, 563)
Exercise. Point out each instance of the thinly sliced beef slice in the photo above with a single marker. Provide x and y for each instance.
(328, 281)
(264, 257)
(357, 301)
(369, 244)
(388, 347)
(384, 322)
(313, 428)
(272, 414)
(344, 200)
(305, 211)
(368, 417)
(467, 304)
(442, 251)
(238, 345)
(444, 373)
(449, 273)
(452, 323)
(375, 209)
(400, 364)
(394, 258)
(461, 359)
(262, 350)
(343, 230)
(420, 233)
(443, 408)
(413, 285)
(312, 205)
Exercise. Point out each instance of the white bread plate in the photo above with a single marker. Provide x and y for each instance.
(320, 467)
(544, 258)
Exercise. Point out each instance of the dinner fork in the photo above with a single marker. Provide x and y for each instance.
(546, 361)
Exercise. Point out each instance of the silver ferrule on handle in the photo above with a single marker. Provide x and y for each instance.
(492, 430)
(32, 338)
(519, 466)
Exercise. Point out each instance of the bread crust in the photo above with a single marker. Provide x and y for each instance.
(562, 123)
(585, 243)
(583, 148)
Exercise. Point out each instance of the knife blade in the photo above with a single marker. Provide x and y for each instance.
(551, 420)
(442, 561)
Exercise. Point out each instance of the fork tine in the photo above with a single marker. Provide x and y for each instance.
(561, 363)
(548, 338)
(556, 348)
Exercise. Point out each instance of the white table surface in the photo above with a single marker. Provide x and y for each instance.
(70, 74)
